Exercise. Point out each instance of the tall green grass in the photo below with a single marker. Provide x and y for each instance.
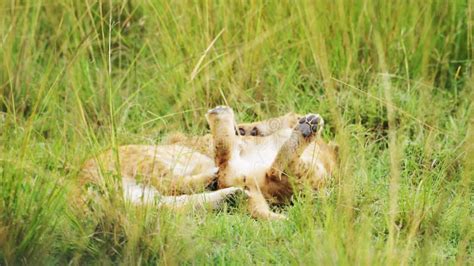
(393, 80)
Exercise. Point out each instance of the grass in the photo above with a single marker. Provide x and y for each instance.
(393, 80)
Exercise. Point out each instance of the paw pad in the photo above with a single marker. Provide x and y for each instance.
(240, 132)
(248, 132)
(310, 124)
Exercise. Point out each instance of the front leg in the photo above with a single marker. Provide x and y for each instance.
(222, 124)
(308, 128)
(258, 206)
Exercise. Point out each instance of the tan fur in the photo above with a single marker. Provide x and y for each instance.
(270, 167)
(172, 169)
(261, 163)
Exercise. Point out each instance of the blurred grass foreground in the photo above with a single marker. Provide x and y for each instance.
(393, 80)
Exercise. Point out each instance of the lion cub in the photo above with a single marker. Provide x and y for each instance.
(259, 158)
(271, 167)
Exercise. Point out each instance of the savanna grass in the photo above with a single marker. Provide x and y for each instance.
(393, 80)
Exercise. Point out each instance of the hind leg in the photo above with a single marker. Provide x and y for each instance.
(258, 206)
(140, 194)
(192, 183)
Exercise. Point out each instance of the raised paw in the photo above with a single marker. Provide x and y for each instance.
(310, 124)
(221, 114)
(220, 110)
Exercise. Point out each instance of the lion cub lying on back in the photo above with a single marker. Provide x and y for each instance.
(261, 158)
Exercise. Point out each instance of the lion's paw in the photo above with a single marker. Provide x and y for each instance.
(220, 110)
(310, 124)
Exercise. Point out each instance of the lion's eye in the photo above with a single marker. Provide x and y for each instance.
(242, 131)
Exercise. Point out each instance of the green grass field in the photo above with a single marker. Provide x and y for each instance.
(393, 80)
